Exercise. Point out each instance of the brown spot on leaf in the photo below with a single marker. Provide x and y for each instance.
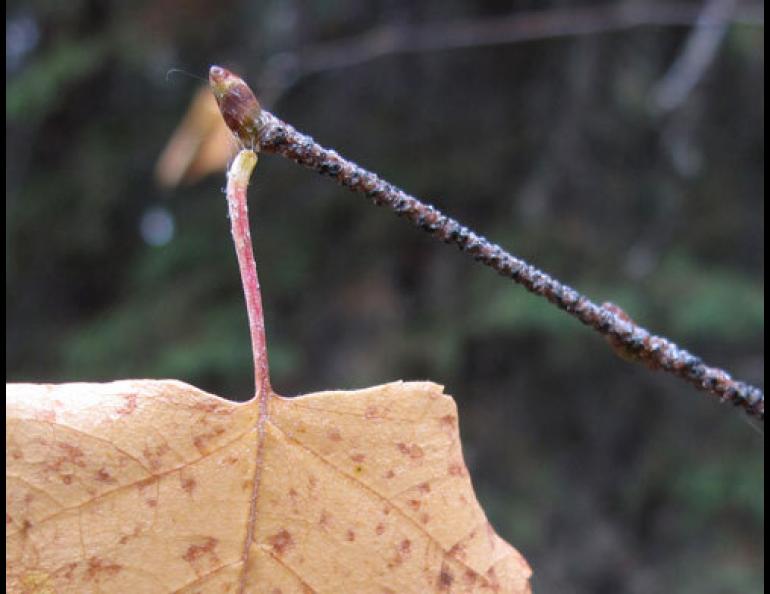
(414, 451)
(494, 582)
(458, 551)
(154, 455)
(456, 469)
(197, 551)
(358, 458)
(448, 420)
(281, 542)
(68, 570)
(99, 568)
(424, 488)
(379, 529)
(445, 578)
(104, 477)
(403, 550)
(152, 502)
(350, 536)
(372, 412)
(424, 518)
(414, 504)
(188, 484)
(390, 474)
(201, 440)
(334, 435)
(72, 454)
(325, 519)
(126, 537)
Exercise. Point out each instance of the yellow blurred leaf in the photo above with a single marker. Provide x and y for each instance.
(155, 486)
(201, 144)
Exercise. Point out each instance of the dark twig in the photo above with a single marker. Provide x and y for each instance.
(626, 337)
(264, 131)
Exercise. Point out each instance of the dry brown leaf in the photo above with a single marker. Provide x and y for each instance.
(155, 486)
(201, 144)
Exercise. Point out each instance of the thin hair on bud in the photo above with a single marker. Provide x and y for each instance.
(185, 72)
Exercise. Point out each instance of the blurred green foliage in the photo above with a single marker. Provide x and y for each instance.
(38, 88)
(609, 478)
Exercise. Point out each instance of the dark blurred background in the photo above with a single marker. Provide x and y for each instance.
(617, 146)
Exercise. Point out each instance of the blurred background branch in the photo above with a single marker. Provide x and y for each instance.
(284, 69)
(698, 52)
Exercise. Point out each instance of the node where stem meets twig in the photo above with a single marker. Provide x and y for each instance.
(237, 183)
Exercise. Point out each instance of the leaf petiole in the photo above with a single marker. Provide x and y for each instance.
(237, 183)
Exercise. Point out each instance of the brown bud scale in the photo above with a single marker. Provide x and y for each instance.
(240, 109)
